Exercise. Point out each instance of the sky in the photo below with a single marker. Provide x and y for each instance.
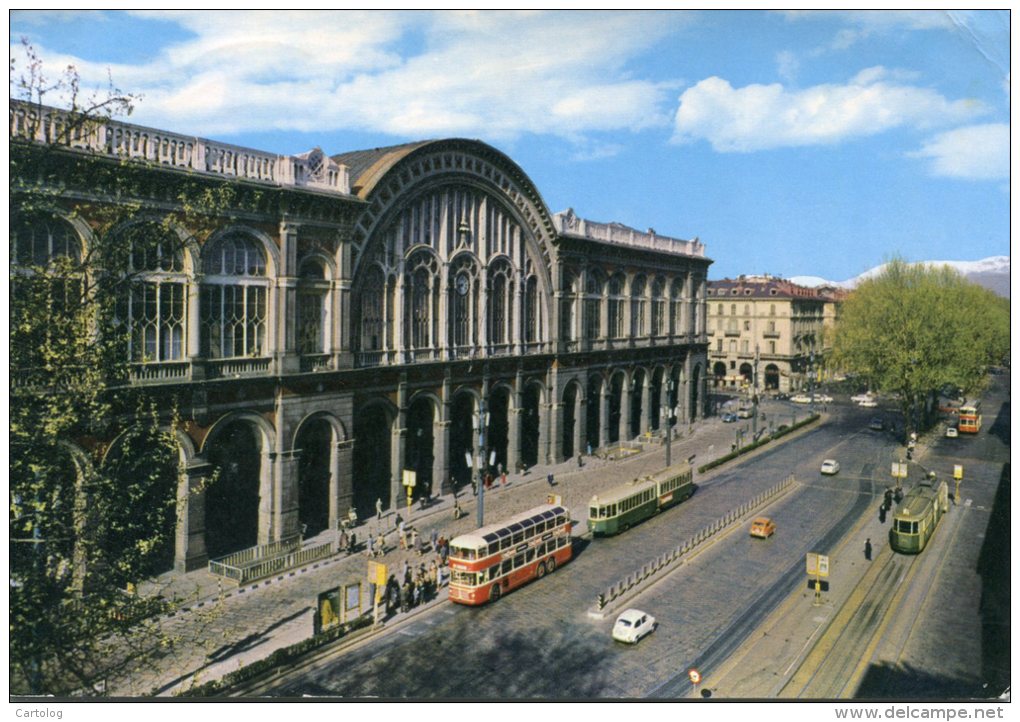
(796, 143)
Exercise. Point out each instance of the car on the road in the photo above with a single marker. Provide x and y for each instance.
(830, 466)
(632, 625)
(824, 398)
(952, 433)
(862, 397)
(876, 424)
(763, 527)
(729, 417)
(867, 403)
(800, 399)
(744, 412)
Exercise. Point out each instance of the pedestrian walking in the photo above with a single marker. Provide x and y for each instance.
(378, 509)
(434, 538)
(550, 479)
(580, 461)
(343, 540)
(433, 574)
(416, 541)
(407, 570)
(380, 545)
(589, 448)
(370, 546)
(405, 597)
(352, 543)
(457, 511)
(402, 530)
(397, 521)
(867, 549)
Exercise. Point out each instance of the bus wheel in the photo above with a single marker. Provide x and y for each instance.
(540, 572)
(550, 564)
(496, 593)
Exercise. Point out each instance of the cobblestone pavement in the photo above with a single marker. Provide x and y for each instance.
(220, 628)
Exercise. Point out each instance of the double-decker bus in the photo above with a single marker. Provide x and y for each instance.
(498, 558)
(620, 508)
(970, 417)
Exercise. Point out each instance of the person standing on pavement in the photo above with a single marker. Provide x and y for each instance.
(580, 461)
(433, 539)
(550, 479)
(380, 545)
(867, 549)
(378, 509)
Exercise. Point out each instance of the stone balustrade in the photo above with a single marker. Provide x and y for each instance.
(102, 136)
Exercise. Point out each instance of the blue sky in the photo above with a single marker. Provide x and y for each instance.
(792, 143)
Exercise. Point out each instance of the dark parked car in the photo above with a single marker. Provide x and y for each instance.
(729, 418)
(876, 424)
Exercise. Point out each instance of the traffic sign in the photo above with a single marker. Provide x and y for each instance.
(957, 471)
(817, 564)
(409, 477)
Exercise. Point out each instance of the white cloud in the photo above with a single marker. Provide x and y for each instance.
(977, 152)
(760, 117)
(491, 74)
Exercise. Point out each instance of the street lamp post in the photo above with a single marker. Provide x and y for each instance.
(670, 413)
(754, 397)
(480, 420)
(811, 380)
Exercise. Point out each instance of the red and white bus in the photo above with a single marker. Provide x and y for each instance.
(496, 559)
(970, 418)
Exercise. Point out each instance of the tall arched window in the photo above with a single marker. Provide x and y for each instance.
(234, 299)
(500, 302)
(637, 307)
(676, 302)
(462, 302)
(155, 308)
(593, 305)
(531, 329)
(658, 307)
(616, 299)
(312, 308)
(419, 290)
(373, 310)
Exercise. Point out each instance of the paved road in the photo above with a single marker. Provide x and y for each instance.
(705, 609)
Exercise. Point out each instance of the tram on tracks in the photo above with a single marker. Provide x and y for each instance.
(495, 559)
(918, 515)
(620, 508)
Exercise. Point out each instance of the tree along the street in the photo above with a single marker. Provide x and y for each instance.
(94, 462)
(914, 329)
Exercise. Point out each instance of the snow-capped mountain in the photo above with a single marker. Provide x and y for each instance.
(992, 273)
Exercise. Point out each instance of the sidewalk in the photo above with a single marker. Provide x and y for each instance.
(219, 627)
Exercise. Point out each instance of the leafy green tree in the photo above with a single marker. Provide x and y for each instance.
(94, 461)
(913, 329)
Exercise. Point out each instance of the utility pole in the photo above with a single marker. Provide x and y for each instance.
(754, 397)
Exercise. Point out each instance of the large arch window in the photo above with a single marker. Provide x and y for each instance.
(46, 251)
(155, 307)
(234, 299)
(463, 295)
(616, 301)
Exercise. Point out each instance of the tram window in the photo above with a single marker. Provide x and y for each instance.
(494, 547)
(506, 567)
(612, 510)
(504, 543)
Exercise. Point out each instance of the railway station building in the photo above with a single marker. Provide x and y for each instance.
(346, 318)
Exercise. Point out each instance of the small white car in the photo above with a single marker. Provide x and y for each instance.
(744, 413)
(868, 403)
(823, 398)
(830, 466)
(952, 433)
(862, 397)
(800, 399)
(632, 625)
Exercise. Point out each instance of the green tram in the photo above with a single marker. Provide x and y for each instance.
(917, 516)
(620, 508)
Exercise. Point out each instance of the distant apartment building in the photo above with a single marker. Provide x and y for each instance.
(770, 326)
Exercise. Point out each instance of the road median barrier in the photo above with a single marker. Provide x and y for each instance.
(649, 573)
